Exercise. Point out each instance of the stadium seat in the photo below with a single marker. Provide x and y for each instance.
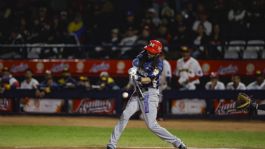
(253, 48)
(233, 49)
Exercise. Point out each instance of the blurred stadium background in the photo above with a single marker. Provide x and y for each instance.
(76, 54)
(79, 52)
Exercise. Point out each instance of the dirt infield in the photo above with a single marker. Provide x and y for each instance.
(104, 148)
(110, 122)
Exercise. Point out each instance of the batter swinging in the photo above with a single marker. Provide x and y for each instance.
(146, 69)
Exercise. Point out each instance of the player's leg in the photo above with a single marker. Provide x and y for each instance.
(152, 124)
(131, 107)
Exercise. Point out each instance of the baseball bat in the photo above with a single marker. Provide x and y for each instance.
(138, 89)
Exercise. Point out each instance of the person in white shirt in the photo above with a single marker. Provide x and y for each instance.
(164, 81)
(259, 84)
(166, 75)
(128, 41)
(235, 84)
(188, 70)
(29, 82)
(203, 19)
(214, 83)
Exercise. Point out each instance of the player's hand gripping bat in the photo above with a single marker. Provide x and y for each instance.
(137, 88)
(132, 73)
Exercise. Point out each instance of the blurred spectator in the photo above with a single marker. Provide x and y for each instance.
(84, 83)
(189, 14)
(106, 82)
(130, 21)
(66, 80)
(214, 83)
(181, 37)
(188, 70)
(127, 42)
(235, 83)
(236, 17)
(151, 18)
(111, 49)
(164, 83)
(218, 11)
(8, 81)
(76, 26)
(200, 40)
(47, 85)
(259, 84)
(163, 35)
(144, 37)
(203, 20)
(216, 43)
(167, 14)
(13, 53)
(29, 82)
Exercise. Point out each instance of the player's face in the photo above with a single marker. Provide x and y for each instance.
(28, 74)
(150, 55)
(185, 54)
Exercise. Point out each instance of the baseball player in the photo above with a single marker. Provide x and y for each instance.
(147, 67)
(214, 83)
(188, 70)
(164, 83)
(259, 84)
(235, 84)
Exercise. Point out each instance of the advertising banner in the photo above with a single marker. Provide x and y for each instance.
(120, 67)
(5, 105)
(261, 112)
(188, 106)
(42, 105)
(98, 106)
(227, 107)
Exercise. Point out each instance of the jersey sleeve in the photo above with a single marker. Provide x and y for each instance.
(136, 61)
(167, 69)
(197, 69)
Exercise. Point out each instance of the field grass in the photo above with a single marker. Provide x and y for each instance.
(66, 136)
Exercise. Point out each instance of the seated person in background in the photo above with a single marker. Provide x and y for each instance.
(29, 82)
(83, 83)
(214, 83)
(235, 83)
(106, 82)
(259, 84)
(8, 81)
(47, 85)
(66, 80)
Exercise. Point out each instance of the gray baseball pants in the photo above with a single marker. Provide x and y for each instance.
(149, 109)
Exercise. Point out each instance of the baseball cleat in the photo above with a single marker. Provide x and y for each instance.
(110, 147)
(182, 146)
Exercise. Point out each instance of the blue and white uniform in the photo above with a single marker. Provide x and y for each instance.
(152, 68)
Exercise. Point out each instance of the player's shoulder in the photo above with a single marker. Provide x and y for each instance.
(193, 60)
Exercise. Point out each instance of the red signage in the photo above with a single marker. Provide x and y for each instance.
(120, 67)
(86, 106)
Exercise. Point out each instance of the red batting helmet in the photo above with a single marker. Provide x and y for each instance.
(154, 47)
